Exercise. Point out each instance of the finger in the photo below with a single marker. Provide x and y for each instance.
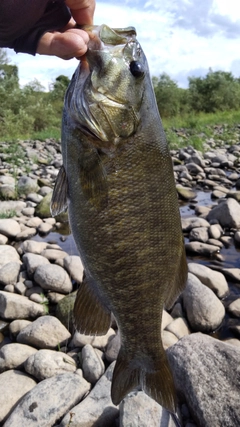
(82, 10)
(72, 43)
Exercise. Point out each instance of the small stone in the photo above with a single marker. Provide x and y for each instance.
(92, 364)
(204, 310)
(45, 332)
(47, 363)
(20, 288)
(213, 279)
(201, 248)
(53, 278)
(28, 211)
(74, 267)
(3, 239)
(33, 246)
(166, 319)
(80, 340)
(178, 327)
(13, 356)
(168, 339)
(234, 307)
(200, 234)
(54, 254)
(34, 222)
(13, 306)
(215, 231)
(227, 213)
(33, 261)
(26, 234)
(9, 273)
(45, 228)
(17, 325)
(9, 227)
(113, 348)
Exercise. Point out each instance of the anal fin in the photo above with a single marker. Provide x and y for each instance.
(91, 317)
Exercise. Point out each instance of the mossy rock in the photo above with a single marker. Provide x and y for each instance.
(64, 310)
(43, 209)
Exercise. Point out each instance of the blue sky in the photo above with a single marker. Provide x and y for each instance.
(180, 37)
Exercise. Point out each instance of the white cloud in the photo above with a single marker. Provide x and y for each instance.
(180, 37)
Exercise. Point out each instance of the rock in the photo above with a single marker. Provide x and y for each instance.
(17, 325)
(80, 340)
(92, 364)
(97, 408)
(8, 254)
(47, 363)
(27, 185)
(204, 371)
(34, 197)
(12, 205)
(168, 339)
(29, 211)
(48, 401)
(215, 231)
(201, 248)
(189, 223)
(45, 228)
(33, 261)
(13, 306)
(113, 348)
(227, 213)
(185, 193)
(9, 227)
(33, 247)
(27, 233)
(64, 310)
(53, 278)
(45, 332)
(204, 310)
(9, 273)
(199, 233)
(166, 319)
(74, 267)
(139, 410)
(232, 274)
(178, 327)
(43, 209)
(13, 356)
(54, 254)
(3, 239)
(33, 222)
(14, 385)
(234, 307)
(213, 279)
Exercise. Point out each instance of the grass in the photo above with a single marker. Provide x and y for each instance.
(8, 214)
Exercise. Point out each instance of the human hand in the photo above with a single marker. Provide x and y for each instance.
(69, 42)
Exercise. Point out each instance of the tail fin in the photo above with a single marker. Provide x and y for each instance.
(157, 382)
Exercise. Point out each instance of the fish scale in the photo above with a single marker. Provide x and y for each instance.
(123, 209)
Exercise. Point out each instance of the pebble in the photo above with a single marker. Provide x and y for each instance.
(92, 364)
(201, 248)
(53, 277)
(213, 279)
(9, 227)
(33, 261)
(13, 306)
(74, 267)
(46, 332)
(44, 364)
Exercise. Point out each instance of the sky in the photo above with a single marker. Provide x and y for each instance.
(179, 37)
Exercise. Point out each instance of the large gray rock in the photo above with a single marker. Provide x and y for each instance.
(8, 254)
(9, 273)
(205, 372)
(227, 213)
(14, 385)
(97, 409)
(32, 261)
(9, 227)
(47, 363)
(45, 332)
(13, 356)
(13, 306)
(213, 279)
(48, 401)
(53, 278)
(139, 410)
(204, 310)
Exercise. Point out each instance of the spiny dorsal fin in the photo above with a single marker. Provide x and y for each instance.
(59, 197)
(90, 316)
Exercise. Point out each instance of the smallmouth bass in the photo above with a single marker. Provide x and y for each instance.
(117, 181)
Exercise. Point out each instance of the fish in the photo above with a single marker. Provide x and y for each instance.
(118, 185)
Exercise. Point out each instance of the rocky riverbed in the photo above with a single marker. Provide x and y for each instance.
(51, 375)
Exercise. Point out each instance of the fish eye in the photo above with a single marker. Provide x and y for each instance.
(136, 69)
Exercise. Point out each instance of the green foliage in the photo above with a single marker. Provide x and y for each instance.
(8, 214)
(171, 100)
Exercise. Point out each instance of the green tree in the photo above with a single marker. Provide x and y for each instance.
(171, 99)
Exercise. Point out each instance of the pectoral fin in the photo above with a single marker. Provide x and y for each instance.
(94, 179)
(59, 197)
(91, 317)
